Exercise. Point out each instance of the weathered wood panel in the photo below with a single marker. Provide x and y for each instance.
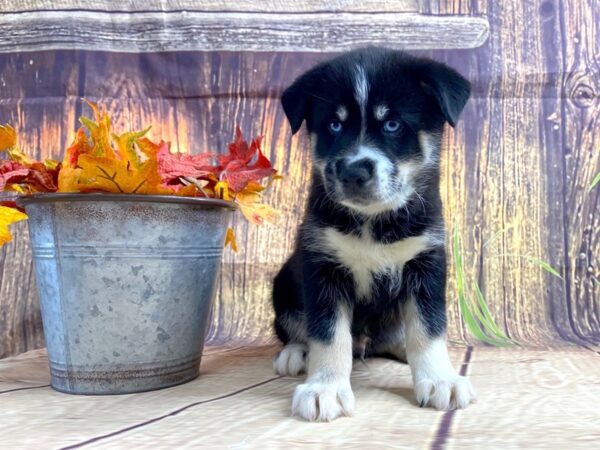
(270, 6)
(515, 167)
(581, 143)
(234, 31)
(516, 170)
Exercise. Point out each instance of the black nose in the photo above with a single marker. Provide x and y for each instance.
(356, 174)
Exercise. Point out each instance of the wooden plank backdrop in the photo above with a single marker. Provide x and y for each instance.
(210, 30)
(516, 170)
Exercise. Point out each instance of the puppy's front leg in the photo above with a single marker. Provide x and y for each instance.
(436, 382)
(327, 394)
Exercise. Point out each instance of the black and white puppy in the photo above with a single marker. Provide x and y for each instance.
(368, 273)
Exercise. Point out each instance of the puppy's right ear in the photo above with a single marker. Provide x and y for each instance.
(296, 102)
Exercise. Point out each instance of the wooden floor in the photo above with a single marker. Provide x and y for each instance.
(526, 399)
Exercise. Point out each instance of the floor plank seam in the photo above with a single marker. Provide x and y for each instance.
(24, 388)
(591, 349)
(441, 436)
(164, 416)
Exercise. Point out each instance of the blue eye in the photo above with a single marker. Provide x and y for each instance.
(335, 127)
(391, 126)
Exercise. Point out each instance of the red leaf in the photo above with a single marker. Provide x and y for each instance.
(11, 204)
(239, 173)
(42, 178)
(11, 172)
(173, 166)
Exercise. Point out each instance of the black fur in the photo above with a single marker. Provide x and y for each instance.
(422, 95)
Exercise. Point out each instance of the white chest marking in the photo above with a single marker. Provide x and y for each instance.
(367, 258)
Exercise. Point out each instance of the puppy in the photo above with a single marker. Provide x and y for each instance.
(368, 273)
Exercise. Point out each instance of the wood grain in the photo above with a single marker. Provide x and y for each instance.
(553, 393)
(235, 31)
(274, 6)
(509, 172)
(225, 407)
(581, 141)
(516, 170)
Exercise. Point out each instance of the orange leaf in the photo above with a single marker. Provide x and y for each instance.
(79, 146)
(256, 212)
(126, 145)
(99, 132)
(8, 137)
(222, 191)
(8, 216)
(230, 240)
(113, 175)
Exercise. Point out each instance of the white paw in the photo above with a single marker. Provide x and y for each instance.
(452, 392)
(323, 402)
(291, 360)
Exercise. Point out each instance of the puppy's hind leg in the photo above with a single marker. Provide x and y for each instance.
(391, 343)
(291, 360)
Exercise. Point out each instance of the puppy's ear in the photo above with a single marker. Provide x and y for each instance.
(449, 88)
(296, 101)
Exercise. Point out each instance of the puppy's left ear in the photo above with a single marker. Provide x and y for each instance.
(449, 88)
(295, 101)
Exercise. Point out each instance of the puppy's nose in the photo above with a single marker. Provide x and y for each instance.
(355, 174)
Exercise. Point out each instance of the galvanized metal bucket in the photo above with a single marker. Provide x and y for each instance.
(126, 284)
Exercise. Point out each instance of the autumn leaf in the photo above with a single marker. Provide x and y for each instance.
(99, 132)
(173, 166)
(11, 172)
(256, 212)
(239, 174)
(36, 177)
(114, 175)
(8, 216)
(42, 179)
(126, 145)
(230, 240)
(222, 191)
(101, 160)
(238, 169)
(79, 146)
(8, 137)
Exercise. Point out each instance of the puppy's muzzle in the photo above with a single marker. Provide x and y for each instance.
(355, 178)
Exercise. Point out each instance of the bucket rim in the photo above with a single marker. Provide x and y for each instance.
(56, 197)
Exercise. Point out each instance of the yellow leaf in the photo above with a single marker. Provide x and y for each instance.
(16, 188)
(125, 144)
(68, 179)
(8, 216)
(99, 132)
(51, 164)
(114, 175)
(230, 240)
(8, 137)
(256, 213)
(222, 190)
(18, 156)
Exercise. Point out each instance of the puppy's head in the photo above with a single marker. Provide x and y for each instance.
(375, 118)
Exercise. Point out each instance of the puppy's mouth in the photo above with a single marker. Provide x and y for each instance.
(361, 187)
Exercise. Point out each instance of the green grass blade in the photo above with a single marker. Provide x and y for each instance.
(474, 327)
(542, 264)
(483, 313)
(488, 319)
(496, 235)
(472, 324)
(547, 267)
(595, 182)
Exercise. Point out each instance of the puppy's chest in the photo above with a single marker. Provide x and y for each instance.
(371, 261)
